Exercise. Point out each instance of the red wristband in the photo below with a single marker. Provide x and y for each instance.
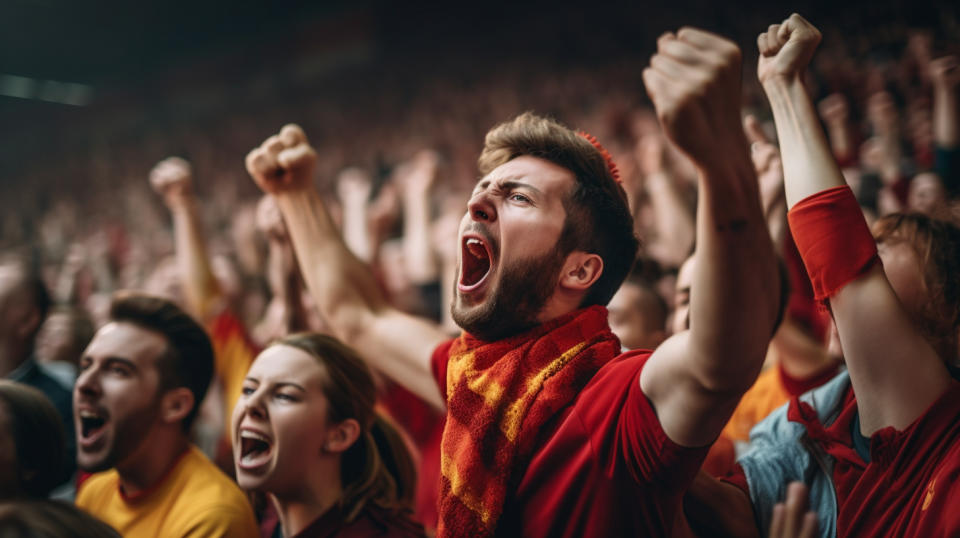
(833, 239)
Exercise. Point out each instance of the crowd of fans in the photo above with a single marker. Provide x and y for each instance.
(251, 283)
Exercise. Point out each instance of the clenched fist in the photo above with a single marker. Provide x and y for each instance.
(945, 72)
(694, 83)
(284, 162)
(172, 178)
(786, 48)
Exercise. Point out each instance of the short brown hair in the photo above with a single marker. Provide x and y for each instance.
(38, 436)
(937, 245)
(598, 218)
(188, 359)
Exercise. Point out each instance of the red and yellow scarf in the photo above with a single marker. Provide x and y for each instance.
(499, 396)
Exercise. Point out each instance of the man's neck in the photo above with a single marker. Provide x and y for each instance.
(149, 465)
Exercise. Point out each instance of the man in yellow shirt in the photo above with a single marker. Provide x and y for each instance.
(141, 380)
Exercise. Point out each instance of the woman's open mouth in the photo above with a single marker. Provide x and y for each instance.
(255, 449)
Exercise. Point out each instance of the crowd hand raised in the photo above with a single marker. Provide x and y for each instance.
(834, 110)
(172, 178)
(285, 162)
(694, 83)
(945, 72)
(269, 220)
(354, 187)
(767, 163)
(786, 49)
(791, 519)
(417, 176)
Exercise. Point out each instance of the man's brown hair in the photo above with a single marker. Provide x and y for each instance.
(598, 218)
(188, 359)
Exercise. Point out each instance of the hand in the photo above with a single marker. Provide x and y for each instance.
(694, 83)
(651, 152)
(882, 112)
(945, 72)
(354, 187)
(269, 220)
(786, 49)
(767, 163)
(284, 162)
(416, 177)
(172, 178)
(791, 519)
(834, 109)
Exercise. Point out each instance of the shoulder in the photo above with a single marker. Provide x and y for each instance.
(96, 488)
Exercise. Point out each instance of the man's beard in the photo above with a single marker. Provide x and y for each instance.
(515, 303)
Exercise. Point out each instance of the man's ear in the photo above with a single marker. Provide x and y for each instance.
(581, 270)
(176, 404)
(340, 437)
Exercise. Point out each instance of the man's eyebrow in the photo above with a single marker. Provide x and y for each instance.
(126, 362)
(513, 184)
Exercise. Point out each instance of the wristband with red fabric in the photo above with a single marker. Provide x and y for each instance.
(833, 239)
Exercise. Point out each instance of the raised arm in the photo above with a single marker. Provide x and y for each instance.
(172, 178)
(696, 378)
(895, 373)
(342, 286)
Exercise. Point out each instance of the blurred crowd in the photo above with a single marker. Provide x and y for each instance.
(171, 212)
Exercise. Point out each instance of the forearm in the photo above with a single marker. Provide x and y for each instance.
(342, 286)
(735, 289)
(355, 230)
(946, 122)
(673, 219)
(418, 256)
(808, 164)
(841, 140)
(200, 286)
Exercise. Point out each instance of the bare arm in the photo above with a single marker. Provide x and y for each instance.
(172, 178)
(342, 286)
(673, 216)
(415, 184)
(945, 73)
(696, 378)
(895, 373)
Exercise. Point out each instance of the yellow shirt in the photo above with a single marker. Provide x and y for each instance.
(193, 499)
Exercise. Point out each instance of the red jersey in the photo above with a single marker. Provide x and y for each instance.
(604, 466)
(910, 486)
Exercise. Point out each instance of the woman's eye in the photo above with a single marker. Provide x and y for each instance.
(247, 391)
(286, 397)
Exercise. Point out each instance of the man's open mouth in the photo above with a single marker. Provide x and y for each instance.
(92, 423)
(255, 449)
(475, 262)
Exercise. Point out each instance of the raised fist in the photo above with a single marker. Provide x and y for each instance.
(354, 187)
(694, 83)
(416, 177)
(269, 220)
(945, 72)
(834, 109)
(284, 162)
(786, 48)
(172, 178)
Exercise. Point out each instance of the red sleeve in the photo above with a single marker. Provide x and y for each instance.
(738, 478)
(625, 429)
(438, 366)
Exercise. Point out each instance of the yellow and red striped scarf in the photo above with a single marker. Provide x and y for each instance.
(499, 396)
